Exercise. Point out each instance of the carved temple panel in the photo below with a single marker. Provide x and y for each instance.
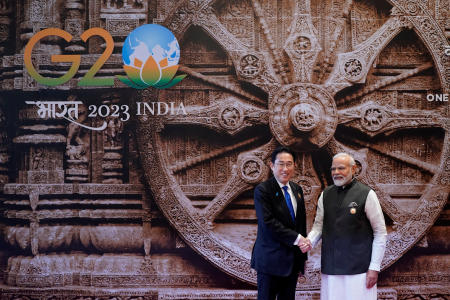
(166, 201)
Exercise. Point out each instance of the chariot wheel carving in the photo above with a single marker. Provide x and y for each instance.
(318, 77)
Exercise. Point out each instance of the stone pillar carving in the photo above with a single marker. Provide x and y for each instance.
(35, 16)
(6, 8)
(77, 148)
(39, 145)
(119, 18)
(4, 157)
(147, 265)
(74, 24)
(113, 144)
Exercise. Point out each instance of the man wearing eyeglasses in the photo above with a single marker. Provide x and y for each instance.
(350, 222)
(280, 209)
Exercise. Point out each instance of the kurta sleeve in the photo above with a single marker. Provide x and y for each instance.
(316, 232)
(376, 219)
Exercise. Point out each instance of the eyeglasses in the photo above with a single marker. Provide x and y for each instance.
(284, 164)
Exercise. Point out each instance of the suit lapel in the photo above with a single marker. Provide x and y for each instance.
(296, 193)
(278, 193)
(299, 199)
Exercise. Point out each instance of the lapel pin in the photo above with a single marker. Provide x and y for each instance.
(353, 207)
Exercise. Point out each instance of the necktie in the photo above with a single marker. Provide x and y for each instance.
(289, 202)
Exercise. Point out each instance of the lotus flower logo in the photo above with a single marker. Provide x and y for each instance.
(150, 54)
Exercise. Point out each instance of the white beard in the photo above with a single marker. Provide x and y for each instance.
(340, 181)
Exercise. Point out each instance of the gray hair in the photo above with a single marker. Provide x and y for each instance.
(343, 154)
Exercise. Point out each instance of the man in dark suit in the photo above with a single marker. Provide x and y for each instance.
(280, 209)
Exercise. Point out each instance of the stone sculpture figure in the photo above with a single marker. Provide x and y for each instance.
(75, 147)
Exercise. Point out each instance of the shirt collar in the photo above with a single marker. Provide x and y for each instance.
(281, 185)
(348, 186)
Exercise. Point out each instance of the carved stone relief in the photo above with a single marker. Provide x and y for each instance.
(304, 115)
(166, 202)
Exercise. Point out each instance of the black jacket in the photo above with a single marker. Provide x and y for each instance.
(274, 251)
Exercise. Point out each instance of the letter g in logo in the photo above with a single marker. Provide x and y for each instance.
(74, 59)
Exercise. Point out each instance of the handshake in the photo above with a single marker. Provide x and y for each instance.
(304, 244)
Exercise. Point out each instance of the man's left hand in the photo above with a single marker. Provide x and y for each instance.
(371, 278)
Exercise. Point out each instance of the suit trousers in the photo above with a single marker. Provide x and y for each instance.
(272, 287)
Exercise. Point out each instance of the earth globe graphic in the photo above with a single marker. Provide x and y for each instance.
(150, 40)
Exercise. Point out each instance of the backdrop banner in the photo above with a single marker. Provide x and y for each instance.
(133, 133)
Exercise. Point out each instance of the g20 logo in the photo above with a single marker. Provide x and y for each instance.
(150, 55)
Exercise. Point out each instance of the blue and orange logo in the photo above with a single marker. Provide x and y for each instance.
(150, 55)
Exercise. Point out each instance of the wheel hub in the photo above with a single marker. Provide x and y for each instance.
(302, 116)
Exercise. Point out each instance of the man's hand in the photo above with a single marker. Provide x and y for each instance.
(371, 278)
(304, 244)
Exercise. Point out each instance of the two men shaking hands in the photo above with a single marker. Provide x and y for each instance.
(349, 220)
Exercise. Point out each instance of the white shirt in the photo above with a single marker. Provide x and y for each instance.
(293, 199)
(294, 204)
(374, 214)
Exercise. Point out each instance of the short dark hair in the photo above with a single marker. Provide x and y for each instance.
(282, 149)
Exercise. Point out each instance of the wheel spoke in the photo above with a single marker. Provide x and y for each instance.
(233, 89)
(379, 85)
(308, 179)
(234, 187)
(373, 119)
(180, 166)
(211, 24)
(302, 45)
(229, 117)
(250, 64)
(179, 15)
(275, 53)
(353, 67)
(430, 168)
(323, 68)
(249, 170)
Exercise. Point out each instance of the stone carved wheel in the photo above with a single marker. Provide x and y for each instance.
(319, 76)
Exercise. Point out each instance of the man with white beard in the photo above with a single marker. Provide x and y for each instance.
(350, 222)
